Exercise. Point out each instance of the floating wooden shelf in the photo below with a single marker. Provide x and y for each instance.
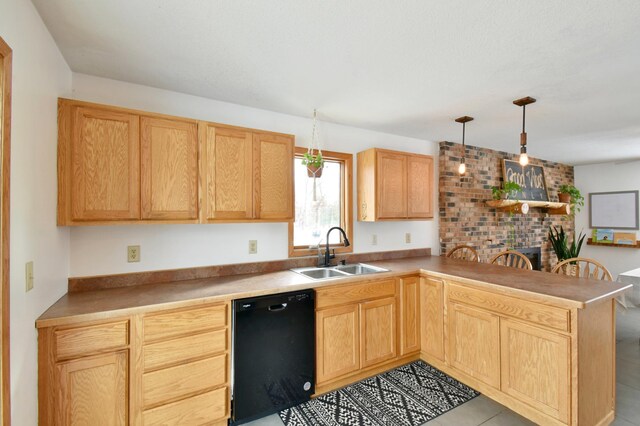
(522, 206)
(634, 246)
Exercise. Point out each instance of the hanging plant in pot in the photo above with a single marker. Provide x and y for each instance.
(571, 194)
(314, 163)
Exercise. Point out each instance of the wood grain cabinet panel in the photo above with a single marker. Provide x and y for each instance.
(394, 185)
(337, 342)
(409, 315)
(77, 341)
(227, 170)
(176, 323)
(419, 186)
(474, 343)
(93, 391)
(340, 295)
(378, 331)
(432, 317)
(204, 409)
(273, 164)
(169, 169)
(535, 367)
(105, 169)
(183, 380)
(175, 351)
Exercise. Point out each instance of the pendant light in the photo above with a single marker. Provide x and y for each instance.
(462, 168)
(524, 158)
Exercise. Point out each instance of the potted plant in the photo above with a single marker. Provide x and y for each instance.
(508, 190)
(314, 163)
(571, 194)
(560, 243)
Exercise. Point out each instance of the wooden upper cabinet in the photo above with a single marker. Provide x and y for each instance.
(419, 186)
(226, 172)
(169, 169)
(394, 185)
(273, 166)
(122, 166)
(103, 180)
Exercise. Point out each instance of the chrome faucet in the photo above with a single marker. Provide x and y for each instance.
(325, 260)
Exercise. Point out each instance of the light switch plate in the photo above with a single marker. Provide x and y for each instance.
(29, 276)
(374, 240)
(407, 238)
(253, 246)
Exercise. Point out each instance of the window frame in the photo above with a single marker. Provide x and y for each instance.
(346, 203)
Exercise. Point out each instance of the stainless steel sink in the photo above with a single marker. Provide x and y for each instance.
(340, 271)
(359, 269)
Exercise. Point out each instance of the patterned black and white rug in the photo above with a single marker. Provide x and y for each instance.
(407, 396)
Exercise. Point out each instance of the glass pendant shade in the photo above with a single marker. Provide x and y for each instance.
(462, 168)
(524, 159)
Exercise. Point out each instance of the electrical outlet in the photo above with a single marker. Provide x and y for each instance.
(29, 276)
(374, 240)
(253, 246)
(133, 254)
(407, 238)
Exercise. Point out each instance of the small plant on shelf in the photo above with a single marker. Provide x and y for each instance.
(571, 194)
(508, 191)
(560, 243)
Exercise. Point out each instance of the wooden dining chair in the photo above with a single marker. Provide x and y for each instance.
(582, 267)
(464, 252)
(511, 258)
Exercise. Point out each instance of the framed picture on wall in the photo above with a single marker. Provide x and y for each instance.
(615, 210)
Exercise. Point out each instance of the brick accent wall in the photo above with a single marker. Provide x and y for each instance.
(466, 219)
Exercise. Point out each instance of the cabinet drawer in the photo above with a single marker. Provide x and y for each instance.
(78, 341)
(536, 313)
(354, 293)
(173, 351)
(171, 383)
(201, 409)
(188, 321)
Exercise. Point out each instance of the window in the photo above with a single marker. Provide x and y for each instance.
(321, 205)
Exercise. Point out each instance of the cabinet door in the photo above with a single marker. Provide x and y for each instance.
(535, 367)
(392, 185)
(419, 187)
(474, 343)
(409, 315)
(337, 342)
(169, 169)
(93, 391)
(432, 317)
(227, 171)
(105, 164)
(377, 331)
(273, 163)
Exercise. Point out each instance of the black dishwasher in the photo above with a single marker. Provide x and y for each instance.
(273, 353)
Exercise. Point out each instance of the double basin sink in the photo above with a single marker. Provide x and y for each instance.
(340, 271)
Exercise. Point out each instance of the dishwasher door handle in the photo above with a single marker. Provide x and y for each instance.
(276, 308)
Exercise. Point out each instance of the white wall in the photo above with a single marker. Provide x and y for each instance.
(603, 178)
(40, 75)
(102, 250)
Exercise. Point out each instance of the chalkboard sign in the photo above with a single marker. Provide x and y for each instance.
(529, 177)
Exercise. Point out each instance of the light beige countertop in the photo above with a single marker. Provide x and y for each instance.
(538, 286)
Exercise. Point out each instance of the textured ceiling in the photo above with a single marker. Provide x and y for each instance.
(401, 67)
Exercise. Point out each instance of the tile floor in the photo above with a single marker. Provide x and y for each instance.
(483, 411)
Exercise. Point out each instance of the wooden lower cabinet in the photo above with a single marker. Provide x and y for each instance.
(337, 342)
(535, 367)
(356, 329)
(377, 331)
(93, 390)
(474, 343)
(409, 315)
(432, 317)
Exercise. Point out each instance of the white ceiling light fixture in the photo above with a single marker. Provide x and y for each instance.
(462, 168)
(523, 102)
